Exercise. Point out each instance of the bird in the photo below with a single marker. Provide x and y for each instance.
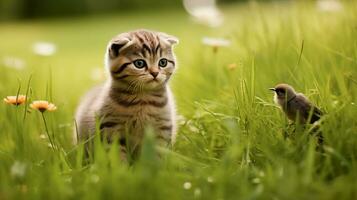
(299, 109)
(296, 106)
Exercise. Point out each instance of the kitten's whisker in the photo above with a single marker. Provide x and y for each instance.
(131, 85)
(141, 87)
(135, 86)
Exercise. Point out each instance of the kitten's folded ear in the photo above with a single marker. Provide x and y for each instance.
(118, 44)
(172, 40)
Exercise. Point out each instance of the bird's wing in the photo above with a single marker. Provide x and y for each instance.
(307, 109)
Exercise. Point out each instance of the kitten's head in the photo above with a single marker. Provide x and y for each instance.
(141, 59)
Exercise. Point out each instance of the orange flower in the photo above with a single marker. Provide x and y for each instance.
(15, 100)
(232, 66)
(43, 106)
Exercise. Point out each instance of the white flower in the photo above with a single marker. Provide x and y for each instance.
(210, 179)
(329, 5)
(256, 180)
(216, 42)
(204, 12)
(197, 192)
(18, 169)
(187, 185)
(94, 178)
(261, 174)
(13, 62)
(68, 179)
(44, 48)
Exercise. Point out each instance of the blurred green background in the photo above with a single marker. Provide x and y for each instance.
(23, 9)
(232, 142)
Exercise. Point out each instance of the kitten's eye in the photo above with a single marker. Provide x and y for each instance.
(163, 62)
(140, 63)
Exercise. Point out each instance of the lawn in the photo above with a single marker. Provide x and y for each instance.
(232, 143)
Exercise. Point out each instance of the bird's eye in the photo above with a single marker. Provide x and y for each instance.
(163, 62)
(280, 91)
(140, 63)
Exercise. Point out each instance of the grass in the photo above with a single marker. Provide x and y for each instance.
(230, 143)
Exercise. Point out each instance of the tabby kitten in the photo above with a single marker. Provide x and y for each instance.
(136, 95)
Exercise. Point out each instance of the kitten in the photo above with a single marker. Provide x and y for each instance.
(136, 95)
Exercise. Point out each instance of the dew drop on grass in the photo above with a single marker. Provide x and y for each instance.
(256, 180)
(68, 180)
(261, 174)
(18, 169)
(197, 192)
(210, 179)
(94, 178)
(187, 185)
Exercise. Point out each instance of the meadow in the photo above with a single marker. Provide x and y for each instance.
(232, 143)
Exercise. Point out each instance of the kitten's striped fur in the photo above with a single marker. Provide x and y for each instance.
(133, 97)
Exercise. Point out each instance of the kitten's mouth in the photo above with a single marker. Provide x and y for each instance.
(154, 80)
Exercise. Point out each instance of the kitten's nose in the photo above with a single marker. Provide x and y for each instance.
(154, 74)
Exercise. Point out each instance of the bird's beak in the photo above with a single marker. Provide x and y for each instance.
(272, 89)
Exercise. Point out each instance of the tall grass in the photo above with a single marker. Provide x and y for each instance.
(233, 142)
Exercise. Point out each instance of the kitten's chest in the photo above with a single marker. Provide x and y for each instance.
(130, 115)
(146, 115)
(141, 112)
